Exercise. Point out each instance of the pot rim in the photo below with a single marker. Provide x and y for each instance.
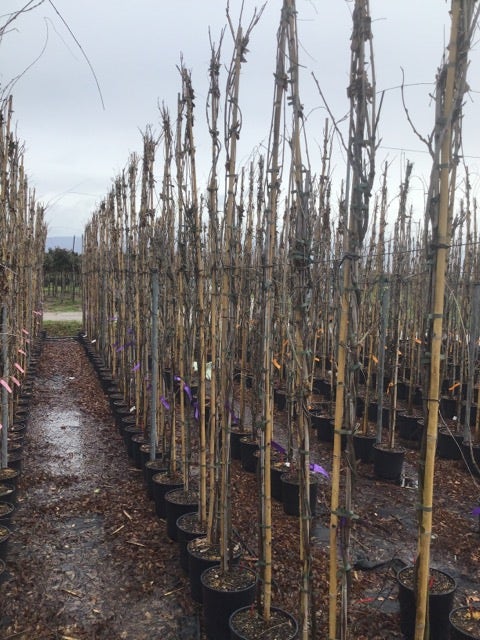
(290, 616)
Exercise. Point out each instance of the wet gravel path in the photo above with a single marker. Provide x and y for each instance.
(88, 558)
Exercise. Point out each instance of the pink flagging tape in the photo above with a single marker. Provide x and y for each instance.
(6, 385)
(15, 380)
(17, 366)
(25, 332)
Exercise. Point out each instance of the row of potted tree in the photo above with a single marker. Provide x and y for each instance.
(212, 295)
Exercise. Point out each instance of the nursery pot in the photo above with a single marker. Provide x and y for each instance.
(440, 602)
(137, 440)
(152, 467)
(372, 413)
(10, 475)
(128, 433)
(144, 452)
(277, 469)
(290, 493)
(248, 624)
(448, 407)
(409, 428)
(235, 437)
(465, 622)
(4, 539)
(177, 503)
(449, 445)
(18, 428)
(224, 593)
(280, 399)
(324, 426)
(202, 556)
(322, 387)
(248, 448)
(188, 528)
(162, 484)
(128, 420)
(471, 455)
(473, 415)
(15, 460)
(116, 400)
(6, 511)
(8, 493)
(363, 446)
(387, 462)
(123, 417)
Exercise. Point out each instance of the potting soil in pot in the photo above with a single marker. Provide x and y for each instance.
(248, 624)
(465, 622)
(440, 601)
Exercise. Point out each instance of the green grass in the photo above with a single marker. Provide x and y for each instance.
(61, 329)
(57, 304)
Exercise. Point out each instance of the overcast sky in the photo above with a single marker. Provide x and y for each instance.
(75, 147)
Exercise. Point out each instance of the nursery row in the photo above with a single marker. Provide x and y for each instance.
(263, 284)
(22, 247)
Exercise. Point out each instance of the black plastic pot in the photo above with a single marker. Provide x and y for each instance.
(15, 460)
(448, 407)
(363, 446)
(473, 415)
(468, 614)
(410, 429)
(162, 484)
(235, 436)
(10, 475)
(324, 426)
(439, 604)
(280, 620)
(277, 469)
(199, 560)
(188, 528)
(290, 494)
(127, 420)
(280, 399)
(122, 414)
(388, 463)
(6, 511)
(8, 493)
(128, 433)
(151, 468)
(116, 400)
(372, 413)
(221, 597)
(471, 456)
(248, 448)
(449, 445)
(177, 503)
(137, 440)
(322, 387)
(5, 534)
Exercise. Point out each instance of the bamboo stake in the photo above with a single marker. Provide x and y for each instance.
(212, 205)
(360, 175)
(232, 130)
(452, 93)
(274, 169)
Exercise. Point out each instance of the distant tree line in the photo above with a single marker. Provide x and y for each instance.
(61, 273)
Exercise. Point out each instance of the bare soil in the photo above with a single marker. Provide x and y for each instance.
(89, 559)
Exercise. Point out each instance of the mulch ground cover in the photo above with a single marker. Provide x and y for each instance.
(89, 559)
